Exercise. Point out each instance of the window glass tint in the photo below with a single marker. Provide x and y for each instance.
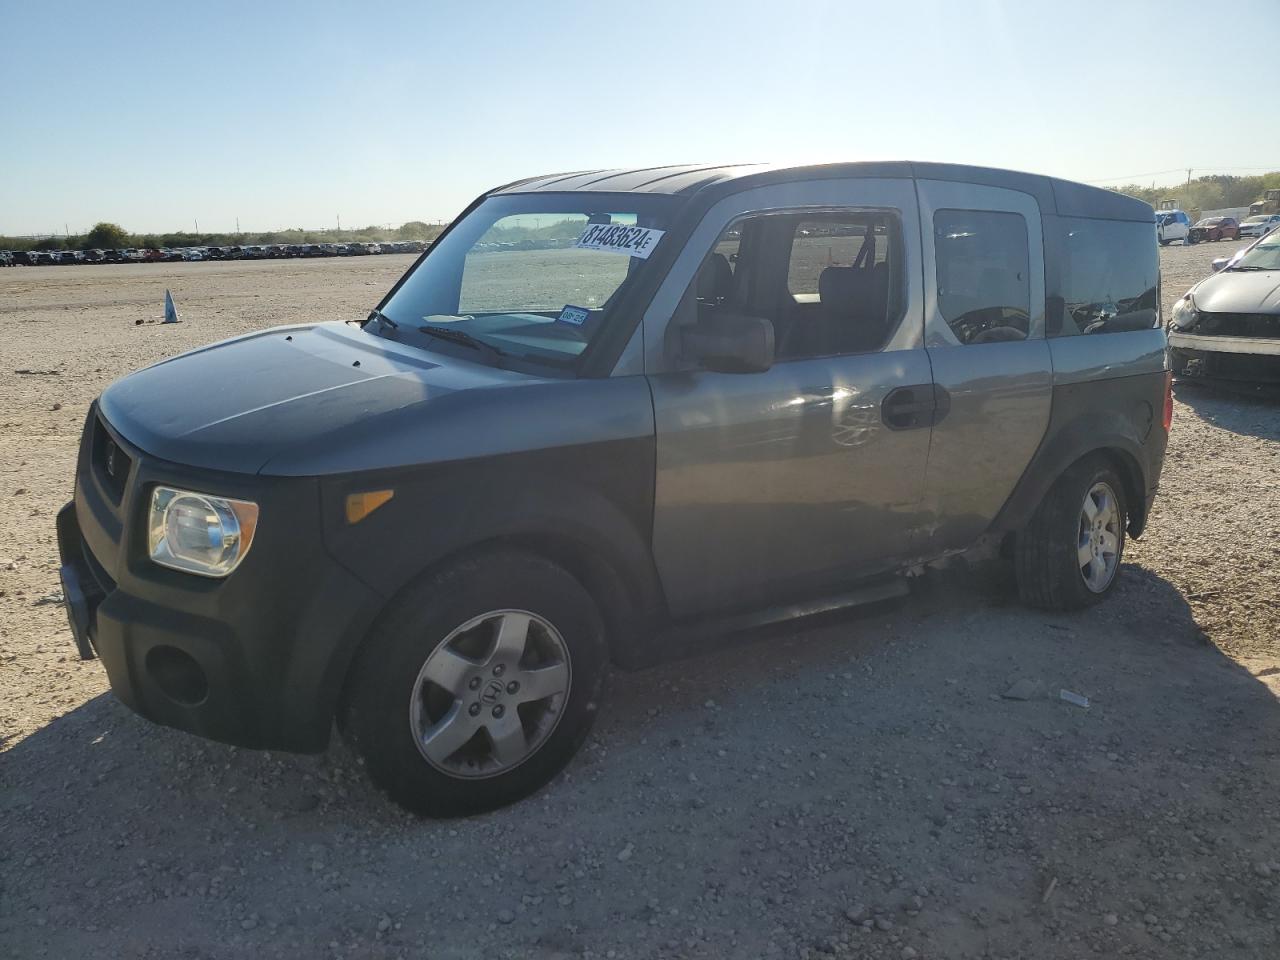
(829, 283)
(1109, 275)
(984, 285)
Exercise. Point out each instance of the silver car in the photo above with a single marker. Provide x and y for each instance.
(1260, 225)
(608, 415)
(1227, 327)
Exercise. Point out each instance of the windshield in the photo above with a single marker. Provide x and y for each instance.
(534, 277)
(1264, 255)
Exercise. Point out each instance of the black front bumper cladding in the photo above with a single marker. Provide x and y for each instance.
(257, 658)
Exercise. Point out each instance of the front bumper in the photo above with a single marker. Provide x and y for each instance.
(256, 659)
(1255, 360)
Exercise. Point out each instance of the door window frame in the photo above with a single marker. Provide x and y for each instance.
(938, 195)
(896, 196)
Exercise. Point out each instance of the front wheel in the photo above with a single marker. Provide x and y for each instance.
(1069, 555)
(478, 685)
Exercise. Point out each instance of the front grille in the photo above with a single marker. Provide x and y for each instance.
(110, 463)
(1263, 326)
(1236, 366)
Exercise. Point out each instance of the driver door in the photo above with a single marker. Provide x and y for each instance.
(792, 481)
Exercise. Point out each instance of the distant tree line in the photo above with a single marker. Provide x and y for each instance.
(1213, 192)
(111, 236)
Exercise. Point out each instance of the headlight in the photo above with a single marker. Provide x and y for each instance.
(1185, 315)
(198, 533)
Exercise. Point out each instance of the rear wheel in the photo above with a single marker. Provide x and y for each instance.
(1069, 555)
(478, 686)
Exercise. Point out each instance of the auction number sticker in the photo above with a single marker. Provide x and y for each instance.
(616, 238)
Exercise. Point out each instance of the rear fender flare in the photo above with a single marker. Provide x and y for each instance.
(1099, 433)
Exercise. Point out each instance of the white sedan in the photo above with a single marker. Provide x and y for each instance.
(1259, 225)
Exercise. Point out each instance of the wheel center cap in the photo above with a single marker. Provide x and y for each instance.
(492, 692)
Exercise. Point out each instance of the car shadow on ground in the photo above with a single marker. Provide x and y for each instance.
(1244, 408)
(880, 739)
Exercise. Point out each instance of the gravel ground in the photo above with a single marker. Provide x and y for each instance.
(853, 787)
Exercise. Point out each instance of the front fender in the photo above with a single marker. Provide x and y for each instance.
(596, 498)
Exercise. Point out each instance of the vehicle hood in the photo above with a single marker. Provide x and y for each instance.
(1239, 292)
(291, 400)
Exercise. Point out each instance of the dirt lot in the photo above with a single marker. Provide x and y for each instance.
(856, 787)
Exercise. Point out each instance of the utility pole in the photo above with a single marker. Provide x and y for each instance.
(1188, 176)
(339, 223)
(197, 223)
(237, 226)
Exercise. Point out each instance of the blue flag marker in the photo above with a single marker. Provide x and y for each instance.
(170, 311)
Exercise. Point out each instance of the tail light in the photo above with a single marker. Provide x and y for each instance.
(1168, 400)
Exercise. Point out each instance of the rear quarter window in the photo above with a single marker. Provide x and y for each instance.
(1109, 275)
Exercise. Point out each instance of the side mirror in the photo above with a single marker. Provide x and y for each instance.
(1219, 263)
(729, 343)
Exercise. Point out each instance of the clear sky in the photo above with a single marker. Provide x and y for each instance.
(287, 114)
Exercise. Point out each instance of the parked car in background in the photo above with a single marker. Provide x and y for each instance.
(1215, 228)
(949, 356)
(1259, 225)
(6, 259)
(1227, 327)
(193, 253)
(94, 256)
(1172, 225)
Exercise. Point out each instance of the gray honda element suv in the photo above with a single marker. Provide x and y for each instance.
(606, 414)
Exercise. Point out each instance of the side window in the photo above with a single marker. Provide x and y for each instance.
(1110, 272)
(819, 243)
(830, 283)
(984, 267)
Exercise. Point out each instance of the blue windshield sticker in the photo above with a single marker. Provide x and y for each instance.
(574, 315)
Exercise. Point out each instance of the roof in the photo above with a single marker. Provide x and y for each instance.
(1063, 197)
(680, 178)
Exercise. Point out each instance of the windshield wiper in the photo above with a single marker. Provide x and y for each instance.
(1251, 266)
(382, 318)
(464, 338)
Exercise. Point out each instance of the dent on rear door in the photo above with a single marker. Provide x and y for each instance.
(1001, 393)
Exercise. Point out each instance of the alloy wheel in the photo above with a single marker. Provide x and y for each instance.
(1098, 547)
(490, 694)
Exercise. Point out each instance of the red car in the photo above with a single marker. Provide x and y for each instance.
(1215, 228)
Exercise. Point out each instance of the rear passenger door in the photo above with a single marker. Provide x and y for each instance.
(775, 484)
(985, 336)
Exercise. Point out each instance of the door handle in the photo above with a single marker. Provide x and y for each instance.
(915, 406)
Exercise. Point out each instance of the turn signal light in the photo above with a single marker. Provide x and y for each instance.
(360, 505)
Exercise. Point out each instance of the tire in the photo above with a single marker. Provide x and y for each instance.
(447, 626)
(1048, 555)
